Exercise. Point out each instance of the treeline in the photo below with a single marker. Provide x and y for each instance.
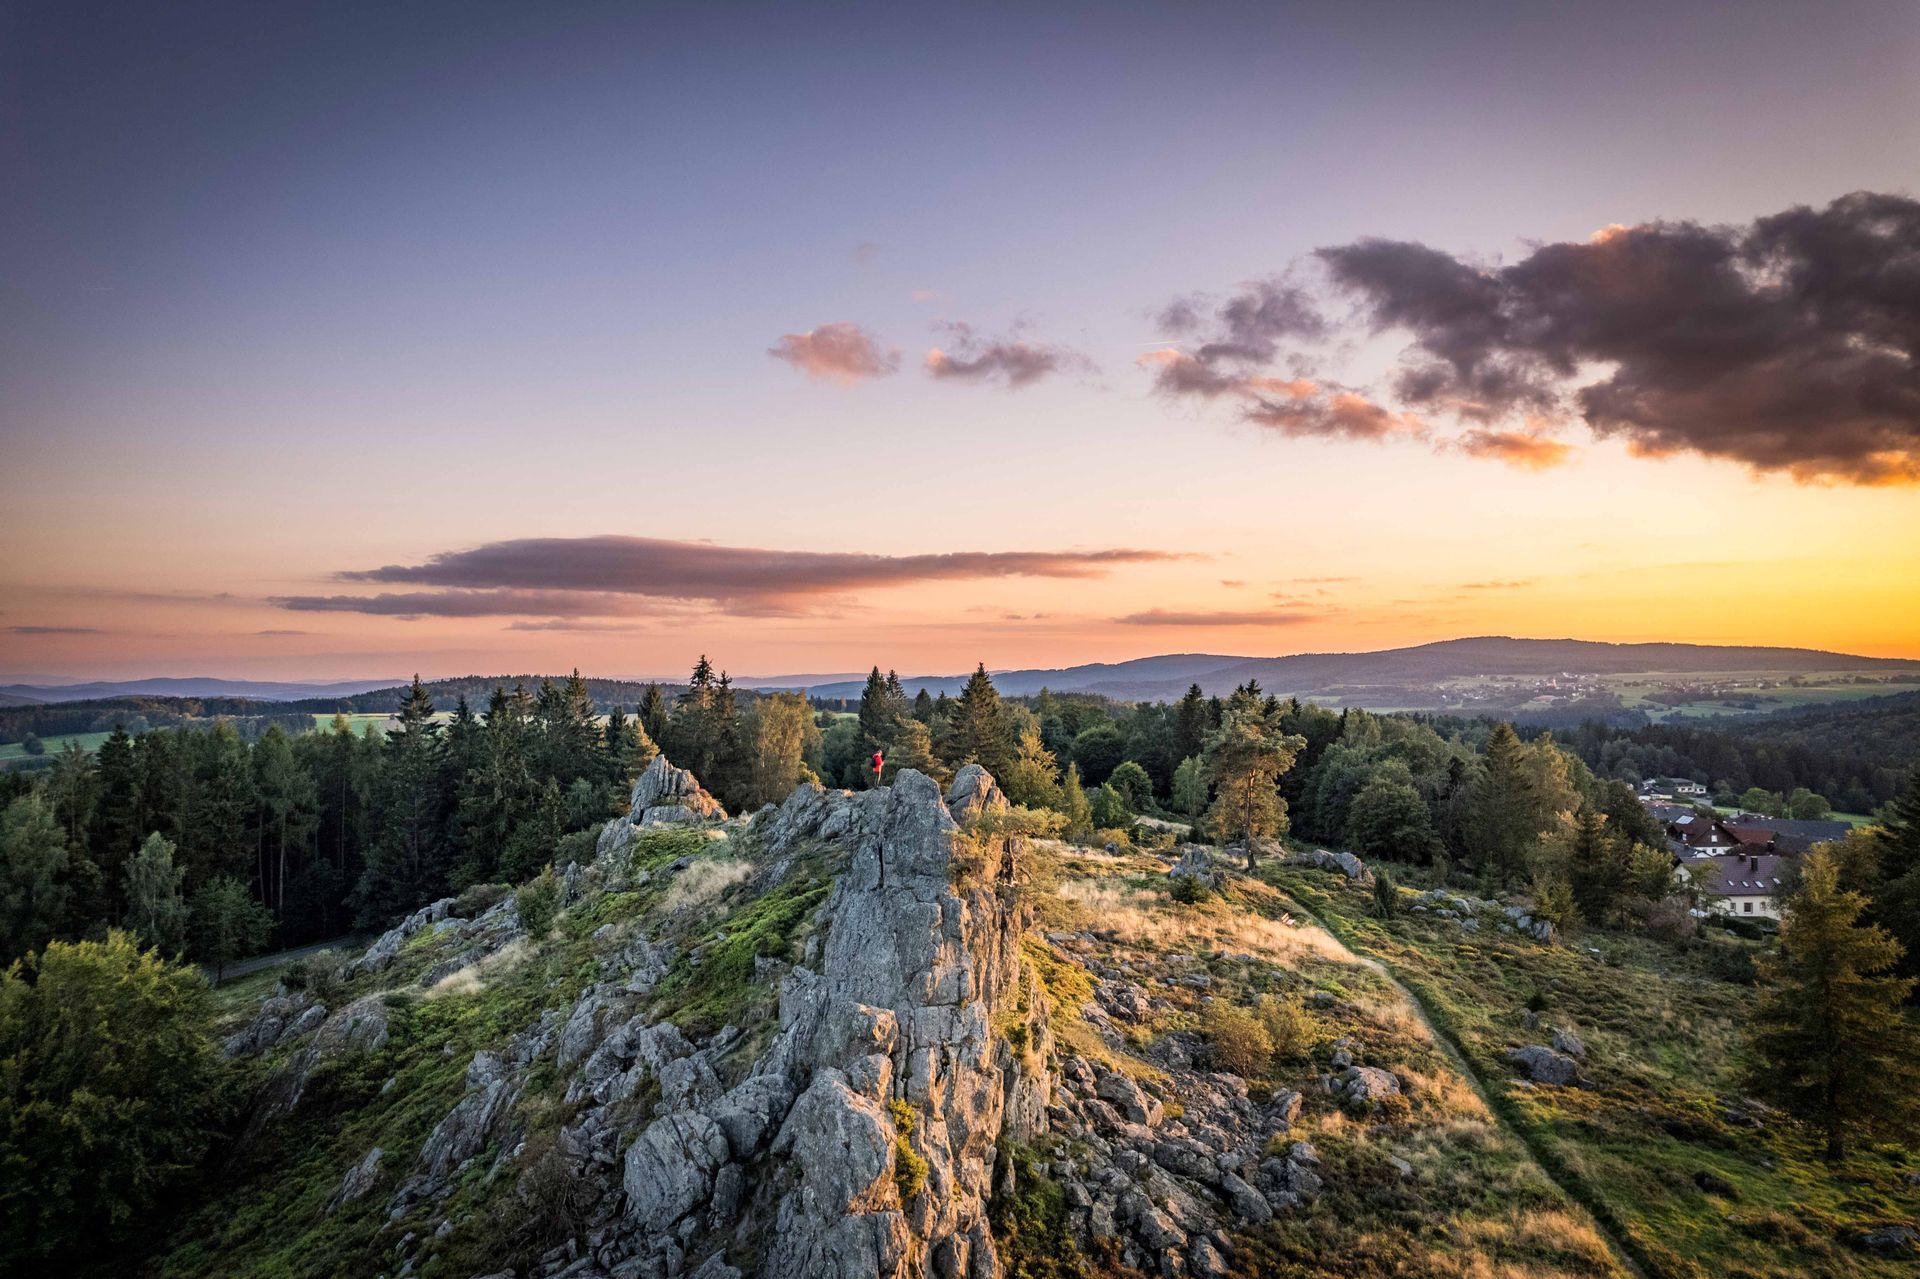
(1857, 757)
(250, 716)
(446, 694)
(324, 831)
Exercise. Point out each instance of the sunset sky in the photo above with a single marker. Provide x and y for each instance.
(513, 337)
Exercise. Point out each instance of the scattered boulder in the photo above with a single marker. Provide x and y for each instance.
(1196, 863)
(1888, 1241)
(1366, 1085)
(1344, 863)
(1569, 1042)
(670, 1169)
(1543, 1065)
(359, 1180)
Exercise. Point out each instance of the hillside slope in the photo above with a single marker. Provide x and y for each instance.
(850, 1037)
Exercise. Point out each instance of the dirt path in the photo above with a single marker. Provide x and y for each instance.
(240, 968)
(1458, 1057)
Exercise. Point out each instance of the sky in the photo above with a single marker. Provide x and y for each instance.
(353, 340)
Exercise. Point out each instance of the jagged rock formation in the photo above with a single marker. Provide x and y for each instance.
(662, 796)
(1196, 863)
(1345, 863)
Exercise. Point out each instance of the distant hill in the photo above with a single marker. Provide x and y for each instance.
(1163, 678)
(192, 686)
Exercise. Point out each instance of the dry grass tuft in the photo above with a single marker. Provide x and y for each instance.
(700, 885)
(473, 979)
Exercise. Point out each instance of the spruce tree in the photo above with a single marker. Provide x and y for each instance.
(34, 871)
(1502, 829)
(1830, 1042)
(114, 834)
(1896, 901)
(1597, 868)
(407, 864)
(1076, 806)
(981, 733)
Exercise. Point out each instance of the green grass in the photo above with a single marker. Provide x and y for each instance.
(1649, 1147)
(89, 742)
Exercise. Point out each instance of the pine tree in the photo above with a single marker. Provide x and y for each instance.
(1896, 900)
(1830, 1041)
(115, 831)
(1502, 828)
(981, 734)
(1597, 868)
(1190, 727)
(407, 865)
(1245, 760)
(1032, 777)
(653, 714)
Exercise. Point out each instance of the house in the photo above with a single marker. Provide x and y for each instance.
(1696, 835)
(1741, 884)
(1781, 834)
(1678, 787)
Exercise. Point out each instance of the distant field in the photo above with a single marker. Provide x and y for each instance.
(323, 723)
(13, 751)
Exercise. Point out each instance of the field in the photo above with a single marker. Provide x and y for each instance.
(358, 721)
(13, 752)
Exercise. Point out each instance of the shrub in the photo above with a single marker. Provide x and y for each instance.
(1189, 889)
(323, 973)
(108, 1076)
(476, 899)
(1386, 895)
(538, 902)
(909, 1169)
(1290, 1032)
(1239, 1042)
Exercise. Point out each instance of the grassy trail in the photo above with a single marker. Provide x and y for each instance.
(1494, 1104)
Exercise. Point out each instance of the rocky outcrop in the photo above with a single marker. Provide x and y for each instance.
(973, 793)
(901, 1010)
(662, 796)
(381, 954)
(1196, 864)
(359, 1027)
(1343, 863)
(282, 1018)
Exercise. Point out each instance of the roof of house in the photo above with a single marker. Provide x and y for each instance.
(1783, 834)
(1739, 874)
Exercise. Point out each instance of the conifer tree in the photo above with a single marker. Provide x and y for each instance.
(1502, 828)
(1245, 760)
(1830, 1042)
(1896, 901)
(1597, 868)
(1076, 806)
(407, 863)
(34, 869)
(115, 831)
(980, 731)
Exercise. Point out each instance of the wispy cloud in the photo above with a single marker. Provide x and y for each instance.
(840, 352)
(1509, 584)
(613, 575)
(54, 630)
(1015, 362)
(1170, 617)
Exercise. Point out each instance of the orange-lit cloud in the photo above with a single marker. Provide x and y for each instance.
(1225, 617)
(1523, 450)
(840, 352)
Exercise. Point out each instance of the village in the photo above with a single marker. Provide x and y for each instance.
(1738, 862)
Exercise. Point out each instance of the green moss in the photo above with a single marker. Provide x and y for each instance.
(909, 1169)
(718, 987)
(1030, 1224)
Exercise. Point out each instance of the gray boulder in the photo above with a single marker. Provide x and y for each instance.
(1543, 1065)
(358, 1181)
(973, 793)
(1568, 1042)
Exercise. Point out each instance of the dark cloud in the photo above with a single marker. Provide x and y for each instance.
(626, 576)
(54, 630)
(463, 603)
(839, 352)
(970, 358)
(1170, 617)
(1791, 343)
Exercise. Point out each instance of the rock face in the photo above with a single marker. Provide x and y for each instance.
(900, 1011)
(662, 796)
(973, 792)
